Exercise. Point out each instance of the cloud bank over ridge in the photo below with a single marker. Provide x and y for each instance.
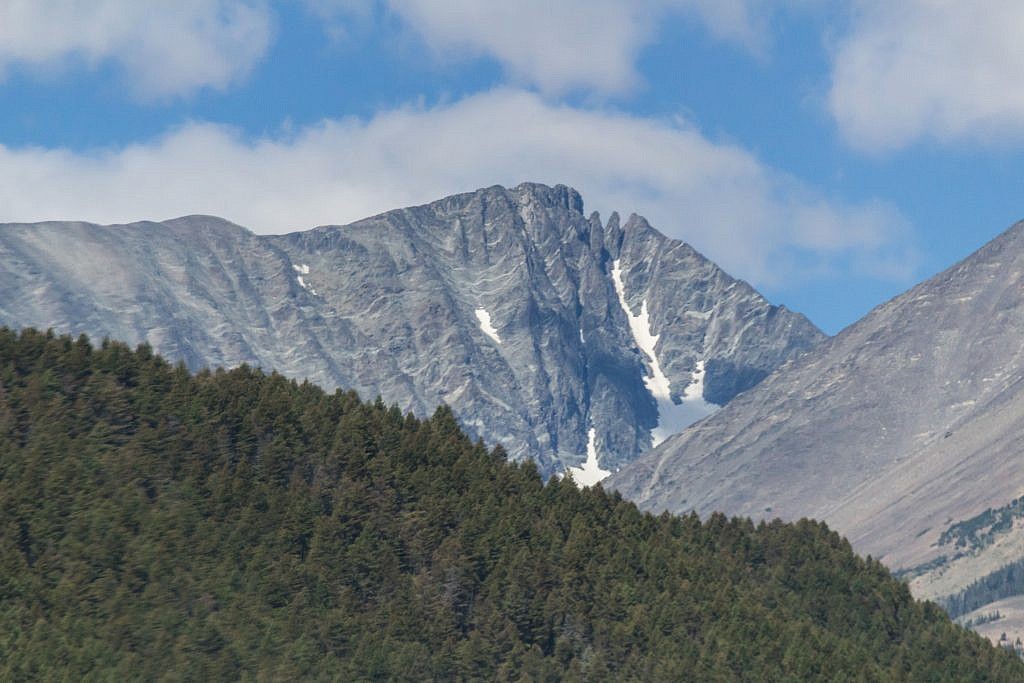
(753, 219)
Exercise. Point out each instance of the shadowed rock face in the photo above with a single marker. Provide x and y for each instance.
(906, 425)
(498, 302)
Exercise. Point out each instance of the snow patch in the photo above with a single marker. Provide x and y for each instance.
(303, 269)
(485, 324)
(591, 472)
(695, 390)
(640, 326)
(675, 417)
(672, 417)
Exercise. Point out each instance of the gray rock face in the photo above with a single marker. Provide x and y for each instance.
(900, 432)
(499, 302)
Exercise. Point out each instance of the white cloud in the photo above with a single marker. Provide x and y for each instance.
(757, 222)
(554, 45)
(163, 47)
(558, 46)
(174, 47)
(945, 69)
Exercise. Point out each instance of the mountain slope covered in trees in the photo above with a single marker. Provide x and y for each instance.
(156, 524)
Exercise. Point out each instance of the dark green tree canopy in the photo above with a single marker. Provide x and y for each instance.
(228, 525)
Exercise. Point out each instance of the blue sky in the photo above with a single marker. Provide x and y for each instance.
(831, 153)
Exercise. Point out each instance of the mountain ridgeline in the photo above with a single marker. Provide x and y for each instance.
(546, 330)
(234, 525)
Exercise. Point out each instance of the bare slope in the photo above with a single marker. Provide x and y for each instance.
(906, 425)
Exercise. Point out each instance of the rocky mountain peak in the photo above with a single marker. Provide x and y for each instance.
(562, 338)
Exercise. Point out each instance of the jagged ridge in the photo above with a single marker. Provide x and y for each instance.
(392, 305)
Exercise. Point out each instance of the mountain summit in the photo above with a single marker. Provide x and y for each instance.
(576, 342)
(903, 432)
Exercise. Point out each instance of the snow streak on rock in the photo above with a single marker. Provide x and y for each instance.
(303, 269)
(485, 324)
(640, 326)
(675, 417)
(591, 472)
(672, 417)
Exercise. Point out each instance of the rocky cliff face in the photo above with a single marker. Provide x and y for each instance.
(546, 330)
(904, 432)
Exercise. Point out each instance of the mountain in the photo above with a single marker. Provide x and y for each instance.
(241, 526)
(536, 323)
(904, 432)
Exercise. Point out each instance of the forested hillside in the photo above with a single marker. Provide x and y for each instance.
(234, 525)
